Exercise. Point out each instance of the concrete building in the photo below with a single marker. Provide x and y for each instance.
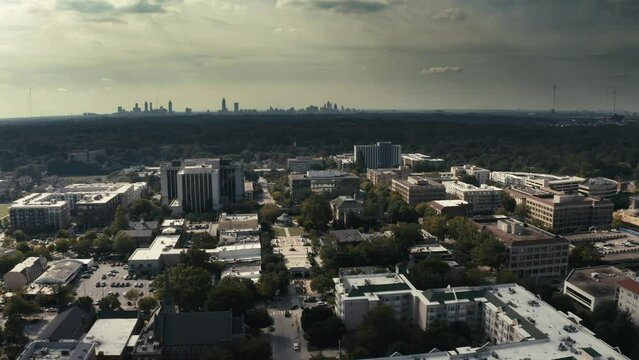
(59, 350)
(482, 175)
(346, 210)
(418, 189)
(114, 337)
(599, 188)
(385, 177)
(450, 208)
(152, 260)
(564, 214)
(565, 184)
(97, 210)
(509, 178)
(124, 193)
(328, 183)
(532, 252)
(39, 212)
(379, 155)
(303, 164)
(591, 286)
(344, 162)
(421, 161)
(238, 222)
(61, 272)
(24, 273)
(481, 200)
(628, 298)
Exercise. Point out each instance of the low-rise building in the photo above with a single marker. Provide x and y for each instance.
(249, 190)
(564, 184)
(450, 208)
(24, 273)
(628, 298)
(482, 175)
(304, 163)
(237, 222)
(39, 212)
(152, 260)
(418, 189)
(481, 200)
(345, 210)
(385, 177)
(59, 350)
(591, 286)
(71, 324)
(328, 183)
(421, 161)
(114, 336)
(346, 237)
(599, 188)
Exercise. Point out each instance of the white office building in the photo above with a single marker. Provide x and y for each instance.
(484, 199)
(379, 155)
(482, 175)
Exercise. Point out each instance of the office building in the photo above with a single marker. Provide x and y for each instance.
(418, 189)
(509, 178)
(198, 188)
(481, 200)
(346, 210)
(114, 336)
(163, 252)
(482, 175)
(421, 162)
(344, 162)
(59, 350)
(236, 107)
(39, 212)
(628, 298)
(170, 107)
(591, 286)
(450, 208)
(564, 214)
(224, 108)
(238, 222)
(599, 188)
(532, 252)
(328, 183)
(24, 273)
(379, 155)
(385, 177)
(303, 164)
(564, 184)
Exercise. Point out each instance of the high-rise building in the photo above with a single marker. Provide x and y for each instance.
(151, 106)
(236, 107)
(146, 106)
(224, 108)
(38, 212)
(379, 155)
(170, 106)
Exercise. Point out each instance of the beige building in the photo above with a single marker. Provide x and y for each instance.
(24, 273)
(385, 177)
(628, 298)
(417, 189)
(237, 221)
(481, 200)
(37, 212)
(565, 184)
(482, 175)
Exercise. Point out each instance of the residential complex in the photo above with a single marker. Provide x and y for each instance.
(421, 161)
(564, 214)
(484, 199)
(40, 212)
(379, 155)
(417, 189)
(591, 286)
(628, 298)
(304, 163)
(329, 183)
(482, 175)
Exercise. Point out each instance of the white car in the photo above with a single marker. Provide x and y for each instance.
(296, 346)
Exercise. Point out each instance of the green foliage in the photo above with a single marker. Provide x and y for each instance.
(322, 283)
(379, 330)
(62, 245)
(7, 262)
(123, 244)
(82, 247)
(407, 234)
(103, 244)
(189, 286)
(322, 328)
(508, 203)
(120, 221)
(315, 213)
(232, 293)
(63, 233)
(270, 213)
(109, 303)
(256, 348)
(379, 251)
(520, 211)
(147, 303)
(144, 209)
(434, 273)
(19, 236)
(18, 307)
(258, 318)
(85, 302)
(584, 254)
(469, 179)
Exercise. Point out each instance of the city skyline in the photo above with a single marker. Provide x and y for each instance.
(92, 56)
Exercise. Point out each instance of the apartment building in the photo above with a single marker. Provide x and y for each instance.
(39, 212)
(385, 177)
(591, 286)
(599, 188)
(509, 178)
(418, 189)
(125, 193)
(304, 164)
(628, 298)
(532, 252)
(379, 155)
(481, 200)
(329, 183)
(564, 214)
(482, 175)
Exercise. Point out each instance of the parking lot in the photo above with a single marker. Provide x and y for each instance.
(108, 274)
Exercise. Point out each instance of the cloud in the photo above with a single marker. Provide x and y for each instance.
(109, 7)
(341, 6)
(143, 7)
(442, 70)
(86, 6)
(450, 14)
(62, 89)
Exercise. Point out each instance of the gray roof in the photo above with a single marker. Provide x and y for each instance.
(69, 324)
(347, 236)
(197, 328)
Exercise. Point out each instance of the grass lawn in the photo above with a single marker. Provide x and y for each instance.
(279, 231)
(4, 210)
(296, 231)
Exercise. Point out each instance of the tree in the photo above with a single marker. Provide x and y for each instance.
(120, 221)
(270, 213)
(315, 213)
(520, 211)
(19, 235)
(189, 286)
(360, 163)
(508, 203)
(103, 244)
(132, 295)
(584, 254)
(232, 293)
(490, 252)
(321, 327)
(62, 296)
(85, 302)
(123, 244)
(196, 257)
(219, 353)
(18, 307)
(147, 303)
(14, 332)
(82, 247)
(23, 247)
(62, 245)
(469, 179)
(322, 284)
(258, 318)
(63, 233)
(436, 226)
(256, 348)
(109, 303)
(407, 234)
(7, 262)
(378, 330)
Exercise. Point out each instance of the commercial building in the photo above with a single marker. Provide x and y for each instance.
(385, 177)
(628, 298)
(509, 178)
(344, 162)
(421, 161)
(346, 210)
(59, 350)
(346, 237)
(24, 273)
(450, 208)
(113, 336)
(379, 155)
(328, 183)
(39, 212)
(61, 272)
(481, 200)
(599, 188)
(564, 214)
(417, 189)
(201, 185)
(565, 184)
(304, 163)
(532, 252)
(152, 260)
(482, 175)
(123, 193)
(591, 286)
(237, 222)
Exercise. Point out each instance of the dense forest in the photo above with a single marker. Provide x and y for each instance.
(496, 142)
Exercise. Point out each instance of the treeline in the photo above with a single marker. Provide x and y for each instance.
(497, 142)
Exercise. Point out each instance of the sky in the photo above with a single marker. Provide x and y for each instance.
(94, 55)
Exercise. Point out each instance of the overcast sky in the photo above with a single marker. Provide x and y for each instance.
(93, 55)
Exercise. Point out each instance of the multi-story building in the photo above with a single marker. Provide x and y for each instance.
(628, 298)
(418, 189)
(508, 178)
(39, 212)
(62, 350)
(24, 273)
(125, 193)
(345, 209)
(482, 175)
(564, 214)
(532, 252)
(565, 184)
(450, 208)
(599, 188)
(238, 222)
(481, 200)
(304, 164)
(591, 286)
(201, 185)
(379, 155)
(385, 177)
(329, 183)
(344, 162)
(421, 161)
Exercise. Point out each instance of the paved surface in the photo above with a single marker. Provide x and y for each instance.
(86, 287)
(265, 197)
(288, 330)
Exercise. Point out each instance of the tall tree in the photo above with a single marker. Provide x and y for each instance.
(120, 221)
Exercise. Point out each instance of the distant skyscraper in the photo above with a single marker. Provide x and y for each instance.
(150, 106)
(170, 106)
(146, 106)
(224, 108)
(236, 107)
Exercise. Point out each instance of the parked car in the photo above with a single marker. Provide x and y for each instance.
(296, 346)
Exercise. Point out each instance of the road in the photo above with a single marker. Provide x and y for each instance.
(288, 330)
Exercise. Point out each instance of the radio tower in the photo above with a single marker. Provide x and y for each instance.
(554, 96)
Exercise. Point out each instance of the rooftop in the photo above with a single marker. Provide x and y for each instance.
(347, 236)
(111, 335)
(511, 231)
(27, 263)
(160, 245)
(630, 285)
(598, 281)
(60, 350)
(448, 203)
(361, 284)
(38, 200)
(60, 272)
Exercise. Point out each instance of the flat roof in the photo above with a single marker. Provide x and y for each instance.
(38, 200)
(60, 272)
(161, 244)
(598, 281)
(347, 236)
(27, 263)
(529, 235)
(111, 335)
